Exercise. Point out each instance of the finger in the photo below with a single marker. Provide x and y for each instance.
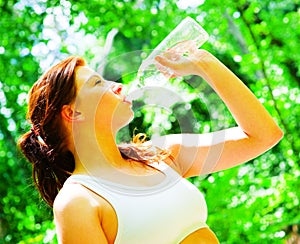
(168, 59)
(173, 56)
(166, 71)
(162, 60)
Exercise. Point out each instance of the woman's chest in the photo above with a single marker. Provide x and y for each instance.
(154, 218)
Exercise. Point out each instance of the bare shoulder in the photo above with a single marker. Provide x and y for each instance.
(74, 196)
(78, 216)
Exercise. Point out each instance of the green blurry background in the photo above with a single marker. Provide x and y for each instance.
(259, 40)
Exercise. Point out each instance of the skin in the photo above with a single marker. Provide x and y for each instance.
(82, 216)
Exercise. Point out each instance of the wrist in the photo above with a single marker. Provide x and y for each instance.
(205, 63)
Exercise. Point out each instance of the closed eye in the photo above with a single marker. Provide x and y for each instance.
(98, 82)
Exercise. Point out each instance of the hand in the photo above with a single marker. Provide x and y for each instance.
(183, 59)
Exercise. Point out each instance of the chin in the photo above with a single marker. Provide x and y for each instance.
(120, 122)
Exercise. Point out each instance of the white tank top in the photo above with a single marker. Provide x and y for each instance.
(165, 213)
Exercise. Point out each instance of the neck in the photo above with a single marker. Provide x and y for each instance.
(96, 152)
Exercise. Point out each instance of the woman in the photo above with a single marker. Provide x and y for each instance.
(133, 193)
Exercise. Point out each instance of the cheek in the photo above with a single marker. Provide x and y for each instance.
(107, 105)
(93, 105)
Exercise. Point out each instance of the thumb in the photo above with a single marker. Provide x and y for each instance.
(163, 65)
(161, 60)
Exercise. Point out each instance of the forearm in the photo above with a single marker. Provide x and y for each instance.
(248, 112)
(257, 131)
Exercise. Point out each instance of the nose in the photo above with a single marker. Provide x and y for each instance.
(117, 88)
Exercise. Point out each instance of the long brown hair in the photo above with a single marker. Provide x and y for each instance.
(45, 144)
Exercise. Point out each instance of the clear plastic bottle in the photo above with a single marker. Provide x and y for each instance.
(187, 30)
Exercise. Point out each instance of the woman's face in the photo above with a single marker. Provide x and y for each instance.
(100, 101)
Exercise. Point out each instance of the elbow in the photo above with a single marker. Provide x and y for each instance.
(276, 134)
(280, 134)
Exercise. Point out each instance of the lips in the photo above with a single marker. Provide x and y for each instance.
(126, 101)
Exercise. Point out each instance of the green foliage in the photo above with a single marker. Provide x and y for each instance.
(259, 40)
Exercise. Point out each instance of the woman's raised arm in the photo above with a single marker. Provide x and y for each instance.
(206, 153)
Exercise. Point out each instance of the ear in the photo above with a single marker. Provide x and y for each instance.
(70, 114)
